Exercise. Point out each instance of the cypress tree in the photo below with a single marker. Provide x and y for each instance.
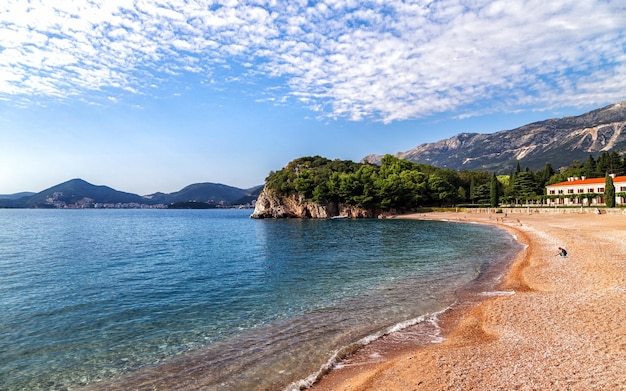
(493, 191)
(609, 191)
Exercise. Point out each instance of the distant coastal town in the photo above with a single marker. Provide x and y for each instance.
(56, 201)
(79, 194)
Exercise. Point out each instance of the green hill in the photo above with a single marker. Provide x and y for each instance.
(79, 193)
(200, 192)
(76, 191)
(16, 196)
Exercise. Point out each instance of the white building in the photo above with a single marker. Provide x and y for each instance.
(584, 192)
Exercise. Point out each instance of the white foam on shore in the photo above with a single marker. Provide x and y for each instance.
(498, 293)
(342, 353)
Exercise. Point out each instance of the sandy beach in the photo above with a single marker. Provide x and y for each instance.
(553, 323)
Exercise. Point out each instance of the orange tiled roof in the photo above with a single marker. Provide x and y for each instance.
(588, 181)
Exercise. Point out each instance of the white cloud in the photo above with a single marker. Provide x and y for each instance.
(384, 60)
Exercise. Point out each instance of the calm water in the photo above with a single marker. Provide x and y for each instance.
(211, 299)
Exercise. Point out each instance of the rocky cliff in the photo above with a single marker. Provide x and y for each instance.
(270, 205)
(555, 141)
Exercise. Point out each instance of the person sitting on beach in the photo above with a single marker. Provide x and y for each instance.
(562, 252)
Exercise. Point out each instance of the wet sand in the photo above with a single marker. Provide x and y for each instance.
(559, 323)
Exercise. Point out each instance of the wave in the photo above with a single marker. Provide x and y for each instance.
(497, 293)
(347, 351)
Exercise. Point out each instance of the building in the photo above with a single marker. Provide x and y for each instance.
(584, 192)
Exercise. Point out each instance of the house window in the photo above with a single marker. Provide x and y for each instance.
(560, 191)
(622, 188)
(581, 191)
(590, 191)
(570, 191)
(600, 189)
(551, 192)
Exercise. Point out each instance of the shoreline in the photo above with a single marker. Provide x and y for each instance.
(564, 327)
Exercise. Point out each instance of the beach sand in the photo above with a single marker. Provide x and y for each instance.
(560, 323)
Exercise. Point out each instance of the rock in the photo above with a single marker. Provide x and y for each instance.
(270, 205)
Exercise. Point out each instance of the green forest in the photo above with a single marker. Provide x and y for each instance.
(404, 185)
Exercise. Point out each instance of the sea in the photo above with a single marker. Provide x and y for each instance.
(214, 300)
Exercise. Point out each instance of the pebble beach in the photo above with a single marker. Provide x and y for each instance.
(554, 323)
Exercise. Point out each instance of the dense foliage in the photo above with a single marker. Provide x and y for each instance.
(396, 183)
(404, 185)
(592, 168)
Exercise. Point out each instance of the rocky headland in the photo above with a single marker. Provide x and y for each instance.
(271, 205)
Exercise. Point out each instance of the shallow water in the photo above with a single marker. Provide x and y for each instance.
(211, 299)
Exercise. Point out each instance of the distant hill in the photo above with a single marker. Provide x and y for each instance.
(251, 196)
(202, 192)
(16, 195)
(557, 141)
(77, 193)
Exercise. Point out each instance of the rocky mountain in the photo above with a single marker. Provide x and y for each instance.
(555, 141)
(77, 193)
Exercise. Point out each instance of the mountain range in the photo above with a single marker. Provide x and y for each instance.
(77, 193)
(555, 141)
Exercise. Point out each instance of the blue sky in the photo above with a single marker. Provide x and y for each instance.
(148, 96)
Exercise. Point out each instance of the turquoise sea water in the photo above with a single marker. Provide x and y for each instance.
(211, 299)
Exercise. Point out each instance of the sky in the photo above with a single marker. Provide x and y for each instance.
(148, 96)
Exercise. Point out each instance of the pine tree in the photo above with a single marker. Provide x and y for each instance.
(525, 186)
(543, 176)
(590, 168)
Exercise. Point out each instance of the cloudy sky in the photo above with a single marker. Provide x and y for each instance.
(148, 96)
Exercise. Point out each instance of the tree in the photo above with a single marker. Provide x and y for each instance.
(365, 194)
(509, 186)
(321, 194)
(389, 191)
(461, 193)
(609, 162)
(493, 191)
(524, 185)
(441, 188)
(415, 185)
(305, 183)
(479, 189)
(609, 191)
(543, 176)
(590, 168)
(472, 189)
(475, 185)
